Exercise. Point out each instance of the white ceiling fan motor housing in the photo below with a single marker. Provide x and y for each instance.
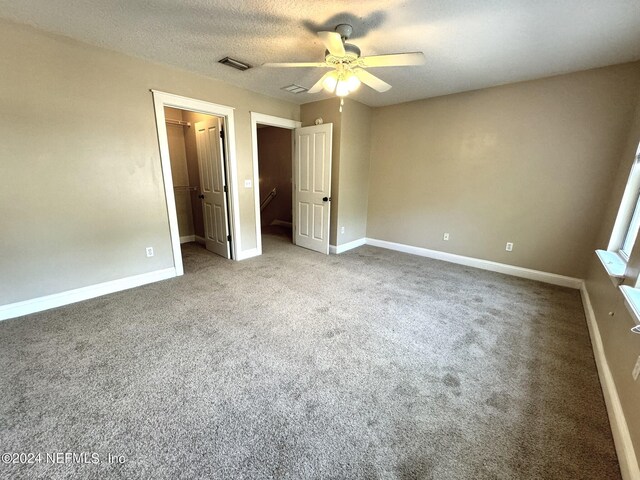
(352, 53)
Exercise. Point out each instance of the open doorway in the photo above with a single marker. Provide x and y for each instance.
(199, 173)
(311, 152)
(275, 166)
(214, 181)
(273, 176)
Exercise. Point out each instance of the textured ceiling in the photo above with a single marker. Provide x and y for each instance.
(468, 44)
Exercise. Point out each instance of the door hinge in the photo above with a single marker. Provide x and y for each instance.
(228, 238)
(222, 134)
(225, 189)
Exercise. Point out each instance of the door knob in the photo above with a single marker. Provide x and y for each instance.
(326, 199)
(201, 196)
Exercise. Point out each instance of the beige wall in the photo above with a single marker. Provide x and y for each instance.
(353, 185)
(529, 163)
(350, 164)
(275, 167)
(621, 347)
(81, 191)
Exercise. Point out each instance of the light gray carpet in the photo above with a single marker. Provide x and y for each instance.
(367, 365)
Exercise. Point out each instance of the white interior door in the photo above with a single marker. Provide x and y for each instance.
(312, 187)
(213, 186)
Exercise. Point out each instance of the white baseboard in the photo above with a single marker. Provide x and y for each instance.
(199, 239)
(282, 223)
(333, 249)
(188, 238)
(621, 438)
(39, 304)
(538, 275)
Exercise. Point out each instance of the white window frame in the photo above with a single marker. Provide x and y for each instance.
(623, 238)
(625, 229)
(631, 234)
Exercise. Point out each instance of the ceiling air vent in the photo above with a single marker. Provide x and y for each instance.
(237, 64)
(293, 88)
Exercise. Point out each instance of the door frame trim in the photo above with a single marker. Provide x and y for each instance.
(164, 99)
(270, 120)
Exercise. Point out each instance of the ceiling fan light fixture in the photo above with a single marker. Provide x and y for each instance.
(342, 89)
(330, 83)
(342, 83)
(349, 67)
(353, 82)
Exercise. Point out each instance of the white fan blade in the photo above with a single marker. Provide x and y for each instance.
(333, 42)
(371, 80)
(394, 60)
(303, 64)
(317, 87)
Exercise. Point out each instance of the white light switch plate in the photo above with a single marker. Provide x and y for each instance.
(247, 183)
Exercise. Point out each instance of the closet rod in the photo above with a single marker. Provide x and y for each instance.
(182, 123)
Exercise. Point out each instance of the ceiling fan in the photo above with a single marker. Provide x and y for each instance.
(348, 68)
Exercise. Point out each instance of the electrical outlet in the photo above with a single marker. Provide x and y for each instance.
(445, 236)
(149, 251)
(247, 183)
(509, 247)
(636, 369)
(341, 229)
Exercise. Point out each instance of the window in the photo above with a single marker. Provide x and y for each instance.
(625, 230)
(631, 230)
(616, 259)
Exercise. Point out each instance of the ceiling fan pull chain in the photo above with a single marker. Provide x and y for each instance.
(341, 103)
